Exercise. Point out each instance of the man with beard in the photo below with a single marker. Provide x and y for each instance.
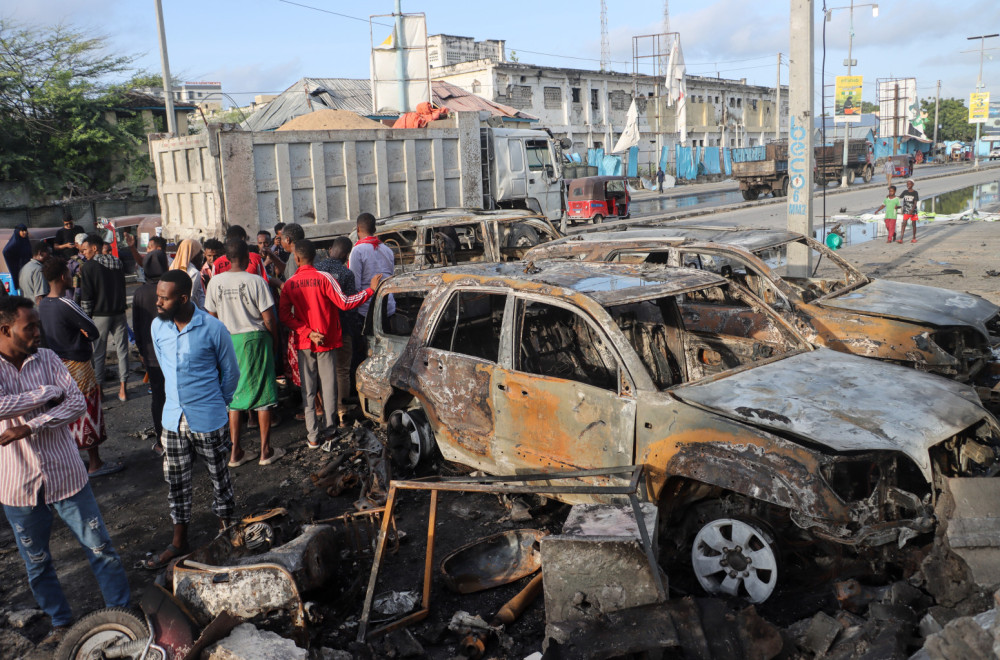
(200, 373)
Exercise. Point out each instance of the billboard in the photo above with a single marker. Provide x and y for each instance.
(979, 107)
(992, 125)
(900, 115)
(847, 99)
(400, 69)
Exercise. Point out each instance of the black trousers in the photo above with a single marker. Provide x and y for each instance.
(158, 399)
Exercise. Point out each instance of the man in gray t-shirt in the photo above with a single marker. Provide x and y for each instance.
(31, 281)
(369, 258)
(243, 302)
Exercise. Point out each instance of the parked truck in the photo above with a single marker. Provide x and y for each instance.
(764, 169)
(323, 179)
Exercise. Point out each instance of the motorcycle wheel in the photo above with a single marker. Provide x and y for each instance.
(102, 630)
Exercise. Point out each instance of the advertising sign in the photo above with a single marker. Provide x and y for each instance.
(847, 99)
(979, 107)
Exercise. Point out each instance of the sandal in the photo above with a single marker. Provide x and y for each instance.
(276, 453)
(109, 467)
(154, 563)
(247, 457)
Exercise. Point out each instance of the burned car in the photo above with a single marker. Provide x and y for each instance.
(564, 365)
(949, 333)
(443, 237)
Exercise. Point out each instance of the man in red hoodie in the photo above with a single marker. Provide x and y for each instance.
(308, 304)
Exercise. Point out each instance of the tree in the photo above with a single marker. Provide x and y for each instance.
(54, 97)
(953, 116)
(867, 107)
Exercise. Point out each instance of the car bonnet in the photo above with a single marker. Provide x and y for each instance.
(844, 402)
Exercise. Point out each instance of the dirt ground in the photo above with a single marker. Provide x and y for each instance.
(956, 255)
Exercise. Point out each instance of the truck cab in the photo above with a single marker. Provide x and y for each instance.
(524, 171)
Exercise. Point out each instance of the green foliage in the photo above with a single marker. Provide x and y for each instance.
(954, 120)
(54, 103)
(867, 107)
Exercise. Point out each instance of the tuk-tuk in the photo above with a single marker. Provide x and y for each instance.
(901, 166)
(597, 197)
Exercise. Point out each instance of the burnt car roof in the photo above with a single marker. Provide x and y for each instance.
(751, 239)
(605, 283)
(449, 216)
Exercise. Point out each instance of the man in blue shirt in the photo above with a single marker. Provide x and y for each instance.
(200, 376)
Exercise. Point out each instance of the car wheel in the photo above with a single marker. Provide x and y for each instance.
(750, 194)
(597, 219)
(522, 236)
(851, 174)
(867, 174)
(410, 438)
(99, 633)
(735, 557)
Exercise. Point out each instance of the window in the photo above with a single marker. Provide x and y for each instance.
(477, 87)
(619, 100)
(538, 156)
(739, 103)
(520, 96)
(651, 328)
(732, 102)
(552, 97)
(522, 78)
(408, 305)
(559, 343)
(595, 103)
(516, 156)
(716, 99)
(753, 103)
(471, 325)
(576, 94)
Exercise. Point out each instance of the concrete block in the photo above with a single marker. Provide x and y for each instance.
(823, 629)
(246, 642)
(973, 531)
(597, 564)
(23, 618)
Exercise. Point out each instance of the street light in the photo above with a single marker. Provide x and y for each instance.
(849, 63)
(979, 84)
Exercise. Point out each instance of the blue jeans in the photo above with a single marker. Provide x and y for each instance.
(32, 526)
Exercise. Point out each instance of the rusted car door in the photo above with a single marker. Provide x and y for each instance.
(562, 403)
(454, 374)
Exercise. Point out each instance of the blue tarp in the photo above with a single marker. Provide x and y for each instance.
(575, 157)
(712, 163)
(610, 166)
(729, 160)
(633, 162)
(664, 158)
(687, 162)
(594, 157)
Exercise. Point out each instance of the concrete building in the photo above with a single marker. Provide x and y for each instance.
(445, 49)
(589, 107)
(206, 95)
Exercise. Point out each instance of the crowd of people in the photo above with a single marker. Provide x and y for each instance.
(218, 329)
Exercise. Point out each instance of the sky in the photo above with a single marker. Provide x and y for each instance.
(264, 46)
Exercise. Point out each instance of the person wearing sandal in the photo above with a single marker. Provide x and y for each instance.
(200, 373)
(68, 332)
(40, 467)
(102, 297)
(243, 302)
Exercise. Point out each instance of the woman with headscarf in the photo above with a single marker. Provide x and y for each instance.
(190, 259)
(17, 252)
(143, 313)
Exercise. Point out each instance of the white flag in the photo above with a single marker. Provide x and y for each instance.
(677, 88)
(630, 136)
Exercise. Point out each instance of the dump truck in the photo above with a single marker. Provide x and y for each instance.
(323, 179)
(764, 169)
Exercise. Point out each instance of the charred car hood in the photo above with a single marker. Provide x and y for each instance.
(916, 303)
(844, 402)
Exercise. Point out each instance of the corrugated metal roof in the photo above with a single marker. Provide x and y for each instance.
(353, 94)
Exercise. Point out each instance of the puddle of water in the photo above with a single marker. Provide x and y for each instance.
(686, 201)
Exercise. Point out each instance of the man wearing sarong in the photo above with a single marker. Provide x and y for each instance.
(243, 302)
(68, 332)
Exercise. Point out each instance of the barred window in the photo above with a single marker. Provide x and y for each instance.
(553, 98)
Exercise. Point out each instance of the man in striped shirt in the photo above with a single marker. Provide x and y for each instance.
(40, 467)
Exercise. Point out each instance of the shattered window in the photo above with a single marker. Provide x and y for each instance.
(471, 325)
(538, 156)
(559, 343)
(408, 305)
(651, 329)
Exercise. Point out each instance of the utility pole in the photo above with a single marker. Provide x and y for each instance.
(777, 103)
(800, 135)
(937, 105)
(168, 88)
(979, 85)
(605, 45)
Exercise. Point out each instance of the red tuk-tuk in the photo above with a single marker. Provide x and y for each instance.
(597, 197)
(901, 166)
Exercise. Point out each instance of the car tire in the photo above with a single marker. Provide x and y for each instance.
(597, 219)
(736, 557)
(410, 436)
(522, 236)
(113, 626)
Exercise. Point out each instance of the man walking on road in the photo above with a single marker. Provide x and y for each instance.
(200, 373)
(660, 175)
(910, 199)
(244, 304)
(308, 306)
(891, 205)
(102, 296)
(40, 467)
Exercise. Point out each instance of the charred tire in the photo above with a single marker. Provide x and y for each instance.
(867, 174)
(522, 236)
(99, 631)
(735, 557)
(411, 440)
(750, 194)
(851, 174)
(597, 219)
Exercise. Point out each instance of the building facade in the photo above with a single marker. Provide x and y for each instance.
(206, 95)
(589, 108)
(445, 49)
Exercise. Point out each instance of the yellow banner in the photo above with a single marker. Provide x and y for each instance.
(847, 99)
(979, 107)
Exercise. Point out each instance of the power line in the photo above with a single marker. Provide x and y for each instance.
(335, 13)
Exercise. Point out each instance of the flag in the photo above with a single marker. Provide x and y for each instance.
(677, 89)
(389, 43)
(630, 136)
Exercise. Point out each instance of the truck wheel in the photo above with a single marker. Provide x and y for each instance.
(735, 557)
(111, 629)
(867, 174)
(522, 235)
(784, 186)
(850, 177)
(410, 438)
(597, 219)
(749, 194)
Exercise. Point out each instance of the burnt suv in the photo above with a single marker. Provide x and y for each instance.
(950, 333)
(749, 434)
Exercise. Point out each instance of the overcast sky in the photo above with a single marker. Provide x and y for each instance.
(263, 46)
